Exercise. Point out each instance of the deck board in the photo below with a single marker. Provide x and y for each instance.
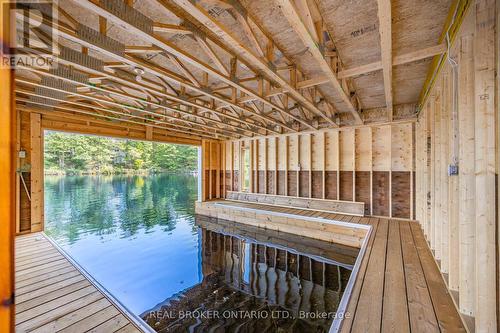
(395, 310)
(398, 286)
(52, 295)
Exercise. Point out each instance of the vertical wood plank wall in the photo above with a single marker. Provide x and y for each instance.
(373, 165)
(7, 187)
(458, 212)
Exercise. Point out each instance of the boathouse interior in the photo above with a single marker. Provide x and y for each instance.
(371, 124)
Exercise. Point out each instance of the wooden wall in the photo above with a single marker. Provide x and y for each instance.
(373, 165)
(7, 187)
(30, 129)
(457, 126)
(212, 172)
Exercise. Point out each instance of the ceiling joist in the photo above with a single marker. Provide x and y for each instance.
(298, 26)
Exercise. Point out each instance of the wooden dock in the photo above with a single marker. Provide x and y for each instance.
(397, 286)
(53, 295)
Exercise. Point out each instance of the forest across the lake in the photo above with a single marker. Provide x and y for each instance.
(67, 153)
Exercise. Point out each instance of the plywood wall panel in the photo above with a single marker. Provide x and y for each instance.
(331, 185)
(332, 151)
(36, 152)
(236, 180)
(282, 153)
(262, 154)
(401, 148)
(293, 152)
(25, 144)
(346, 185)
(363, 189)
(401, 194)
(292, 183)
(261, 183)
(305, 152)
(318, 151)
(329, 164)
(381, 148)
(304, 183)
(380, 192)
(271, 154)
(271, 182)
(363, 149)
(317, 184)
(282, 179)
(346, 144)
(228, 180)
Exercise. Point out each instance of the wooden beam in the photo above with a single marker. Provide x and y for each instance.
(256, 62)
(385, 31)
(485, 166)
(36, 172)
(142, 49)
(306, 17)
(183, 69)
(291, 15)
(210, 52)
(72, 113)
(7, 190)
(153, 69)
(396, 61)
(178, 53)
(171, 28)
(451, 28)
(123, 106)
(245, 24)
(300, 85)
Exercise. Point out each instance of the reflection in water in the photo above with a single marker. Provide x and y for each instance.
(135, 235)
(254, 285)
(116, 205)
(138, 237)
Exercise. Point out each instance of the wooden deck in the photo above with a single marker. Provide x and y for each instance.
(398, 286)
(52, 295)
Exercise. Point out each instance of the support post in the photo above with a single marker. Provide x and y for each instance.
(7, 190)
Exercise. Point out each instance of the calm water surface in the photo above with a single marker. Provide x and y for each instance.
(130, 233)
(139, 237)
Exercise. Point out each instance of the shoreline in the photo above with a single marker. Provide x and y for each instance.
(120, 173)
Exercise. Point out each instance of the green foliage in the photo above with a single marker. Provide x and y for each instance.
(73, 153)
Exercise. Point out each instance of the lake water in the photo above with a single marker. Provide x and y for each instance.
(139, 238)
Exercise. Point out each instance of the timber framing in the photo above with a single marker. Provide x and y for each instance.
(376, 113)
(194, 73)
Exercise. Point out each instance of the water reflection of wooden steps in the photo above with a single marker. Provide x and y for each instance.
(397, 285)
(53, 295)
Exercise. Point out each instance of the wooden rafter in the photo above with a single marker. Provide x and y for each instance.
(245, 24)
(177, 52)
(130, 60)
(397, 60)
(306, 17)
(291, 15)
(171, 28)
(142, 49)
(183, 69)
(255, 61)
(112, 103)
(135, 85)
(170, 126)
(385, 31)
(211, 53)
(108, 91)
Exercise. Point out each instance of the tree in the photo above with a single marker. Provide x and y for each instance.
(85, 153)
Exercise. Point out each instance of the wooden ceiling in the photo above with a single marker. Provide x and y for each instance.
(227, 69)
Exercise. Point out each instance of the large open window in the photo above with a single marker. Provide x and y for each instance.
(245, 169)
